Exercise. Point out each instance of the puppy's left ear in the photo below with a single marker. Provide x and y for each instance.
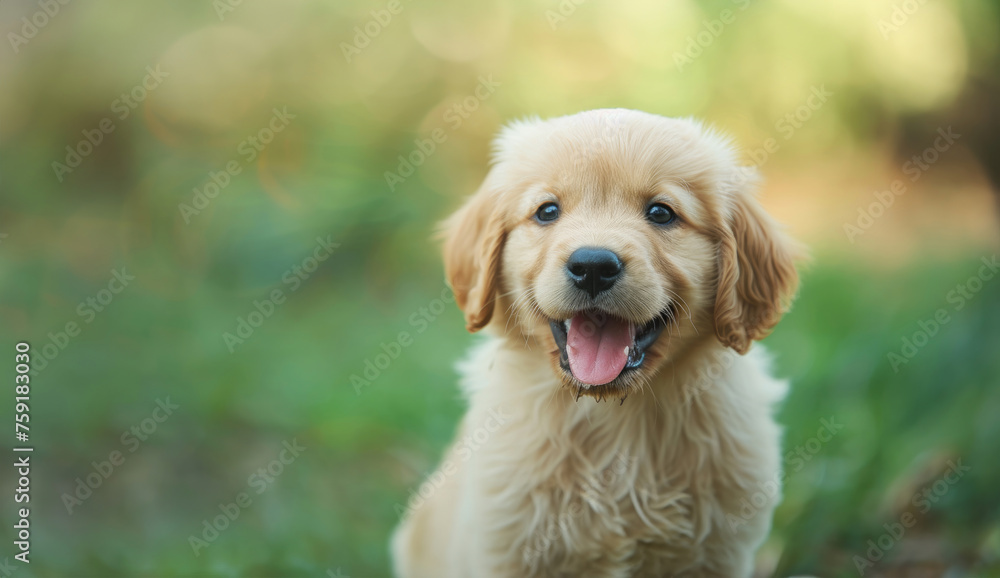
(473, 247)
(757, 275)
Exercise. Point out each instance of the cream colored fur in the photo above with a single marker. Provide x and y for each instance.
(681, 477)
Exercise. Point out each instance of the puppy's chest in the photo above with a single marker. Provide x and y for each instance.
(606, 523)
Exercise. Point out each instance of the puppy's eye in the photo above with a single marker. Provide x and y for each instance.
(547, 213)
(660, 214)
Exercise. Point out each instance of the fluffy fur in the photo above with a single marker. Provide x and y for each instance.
(677, 472)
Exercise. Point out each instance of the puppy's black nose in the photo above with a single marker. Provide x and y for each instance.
(593, 269)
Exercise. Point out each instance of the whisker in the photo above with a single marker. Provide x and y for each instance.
(684, 308)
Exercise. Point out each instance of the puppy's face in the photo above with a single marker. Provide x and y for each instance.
(613, 238)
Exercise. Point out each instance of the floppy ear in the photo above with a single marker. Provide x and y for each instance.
(473, 246)
(757, 276)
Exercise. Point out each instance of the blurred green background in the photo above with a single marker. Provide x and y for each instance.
(168, 94)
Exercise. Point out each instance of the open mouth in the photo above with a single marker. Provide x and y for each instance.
(596, 348)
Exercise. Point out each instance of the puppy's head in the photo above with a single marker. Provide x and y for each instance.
(613, 238)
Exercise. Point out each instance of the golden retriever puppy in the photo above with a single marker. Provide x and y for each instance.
(622, 267)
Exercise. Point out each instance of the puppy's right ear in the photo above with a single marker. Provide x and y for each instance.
(757, 275)
(473, 247)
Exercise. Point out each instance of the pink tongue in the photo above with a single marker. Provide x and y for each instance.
(597, 352)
